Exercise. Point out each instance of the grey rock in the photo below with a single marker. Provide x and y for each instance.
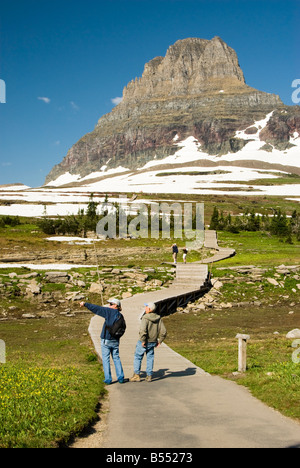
(293, 334)
(57, 277)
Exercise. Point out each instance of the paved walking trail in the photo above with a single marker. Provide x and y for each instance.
(183, 407)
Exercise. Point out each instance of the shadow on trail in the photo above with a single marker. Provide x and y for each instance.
(166, 373)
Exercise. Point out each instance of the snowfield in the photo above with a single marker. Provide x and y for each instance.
(74, 240)
(37, 211)
(180, 174)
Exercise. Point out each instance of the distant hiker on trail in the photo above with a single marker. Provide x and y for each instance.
(113, 328)
(185, 251)
(152, 334)
(175, 252)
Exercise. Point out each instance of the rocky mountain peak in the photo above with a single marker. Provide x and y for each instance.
(197, 89)
(190, 67)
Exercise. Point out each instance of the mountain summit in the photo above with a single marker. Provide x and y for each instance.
(190, 67)
(198, 89)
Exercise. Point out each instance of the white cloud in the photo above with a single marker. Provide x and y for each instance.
(44, 99)
(116, 100)
(74, 105)
(6, 164)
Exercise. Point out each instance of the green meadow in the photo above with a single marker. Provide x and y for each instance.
(51, 384)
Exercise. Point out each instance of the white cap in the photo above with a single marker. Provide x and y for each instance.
(114, 301)
(151, 306)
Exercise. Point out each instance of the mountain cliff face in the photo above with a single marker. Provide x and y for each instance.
(190, 67)
(197, 89)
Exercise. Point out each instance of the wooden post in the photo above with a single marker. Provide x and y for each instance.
(211, 265)
(242, 351)
(2, 352)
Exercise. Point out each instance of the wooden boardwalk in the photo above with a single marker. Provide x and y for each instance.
(211, 242)
(183, 407)
(192, 282)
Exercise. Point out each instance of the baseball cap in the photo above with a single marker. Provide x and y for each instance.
(114, 301)
(151, 306)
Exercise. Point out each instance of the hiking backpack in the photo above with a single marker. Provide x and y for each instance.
(118, 328)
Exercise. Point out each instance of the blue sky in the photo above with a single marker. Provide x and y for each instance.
(64, 62)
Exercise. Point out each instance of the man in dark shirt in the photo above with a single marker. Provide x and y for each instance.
(109, 344)
(175, 252)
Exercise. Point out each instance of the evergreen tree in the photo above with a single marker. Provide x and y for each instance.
(253, 222)
(214, 222)
(280, 225)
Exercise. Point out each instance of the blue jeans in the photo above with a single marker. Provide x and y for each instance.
(139, 354)
(111, 348)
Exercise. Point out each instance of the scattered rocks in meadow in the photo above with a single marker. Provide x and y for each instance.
(57, 277)
(61, 291)
(29, 316)
(293, 334)
(126, 295)
(96, 288)
(273, 281)
(260, 280)
(33, 288)
(58, 292)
